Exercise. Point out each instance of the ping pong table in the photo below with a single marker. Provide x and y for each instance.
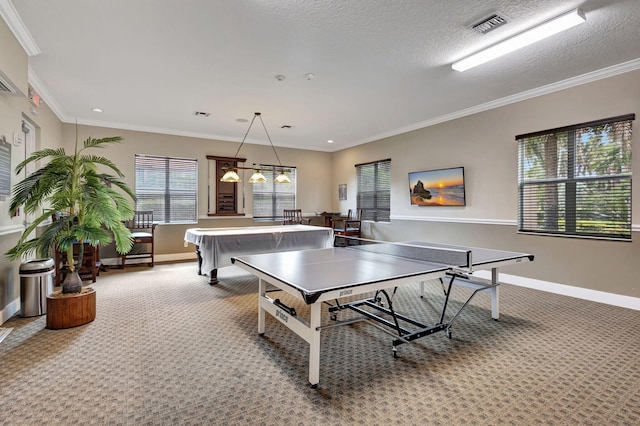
(359, 266)
(216, 246)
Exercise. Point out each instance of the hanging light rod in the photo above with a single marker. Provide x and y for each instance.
(540, 32)
(231, 174)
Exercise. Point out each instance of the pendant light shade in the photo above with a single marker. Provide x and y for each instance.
(282, 178)
(230, 176)
(257, 177)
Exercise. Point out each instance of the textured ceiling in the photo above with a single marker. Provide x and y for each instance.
(381, 67)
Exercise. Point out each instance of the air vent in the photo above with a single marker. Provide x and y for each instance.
(490, 23)
(201, 114)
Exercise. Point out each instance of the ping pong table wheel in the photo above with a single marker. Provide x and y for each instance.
(334, 317)
(447, 332)
(395, 351)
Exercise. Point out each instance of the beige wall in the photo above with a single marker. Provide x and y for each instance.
(14, 109)
(484, 144)
(313, 194)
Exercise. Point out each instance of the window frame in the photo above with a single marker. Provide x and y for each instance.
(563, 172)
(376, 202)
(147, 195)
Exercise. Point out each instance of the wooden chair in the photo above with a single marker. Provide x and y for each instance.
(350, 225)
(142, 230)
(294, 217)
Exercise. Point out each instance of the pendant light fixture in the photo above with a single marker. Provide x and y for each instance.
(231, 174)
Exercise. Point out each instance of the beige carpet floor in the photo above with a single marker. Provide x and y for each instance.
(167, 348)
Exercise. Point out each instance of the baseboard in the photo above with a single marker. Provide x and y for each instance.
(10, 310)
(567, 290)
(174, 257)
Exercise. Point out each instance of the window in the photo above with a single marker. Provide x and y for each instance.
(270, 198)
(168, 186)
(374, 190)
(576, 180)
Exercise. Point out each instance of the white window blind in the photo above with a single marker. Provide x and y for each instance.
(168, 186)
(576, 180)
(270, 198)
(374, 190)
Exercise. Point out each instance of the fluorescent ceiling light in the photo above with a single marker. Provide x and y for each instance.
(542, 31)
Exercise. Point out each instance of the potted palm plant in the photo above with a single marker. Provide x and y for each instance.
(90, 208)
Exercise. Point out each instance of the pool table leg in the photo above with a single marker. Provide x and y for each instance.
(213, 277)
(199, 260)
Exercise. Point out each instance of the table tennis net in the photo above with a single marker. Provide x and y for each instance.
(458, 258)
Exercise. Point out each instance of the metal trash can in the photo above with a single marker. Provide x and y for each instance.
(36, 283)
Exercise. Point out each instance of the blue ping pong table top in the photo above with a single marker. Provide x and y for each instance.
(313, 272)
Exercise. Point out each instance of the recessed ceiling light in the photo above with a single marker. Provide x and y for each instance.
(280, 77)
(97, 110)
(330, 141)
(201, 114)
(309, 76)
(241, 120)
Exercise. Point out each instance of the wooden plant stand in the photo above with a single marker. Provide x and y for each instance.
(71, 311)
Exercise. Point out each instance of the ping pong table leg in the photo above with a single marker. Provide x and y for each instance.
(262, 287)
(314, 344)
(495, 295)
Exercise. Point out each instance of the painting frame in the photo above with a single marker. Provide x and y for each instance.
(438, 188)
(342, 192)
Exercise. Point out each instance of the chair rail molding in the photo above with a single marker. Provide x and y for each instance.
(457, 220)
(11, 229)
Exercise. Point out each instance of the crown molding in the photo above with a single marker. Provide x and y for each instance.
(47, 97)
(17, 27)
(518, 97)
